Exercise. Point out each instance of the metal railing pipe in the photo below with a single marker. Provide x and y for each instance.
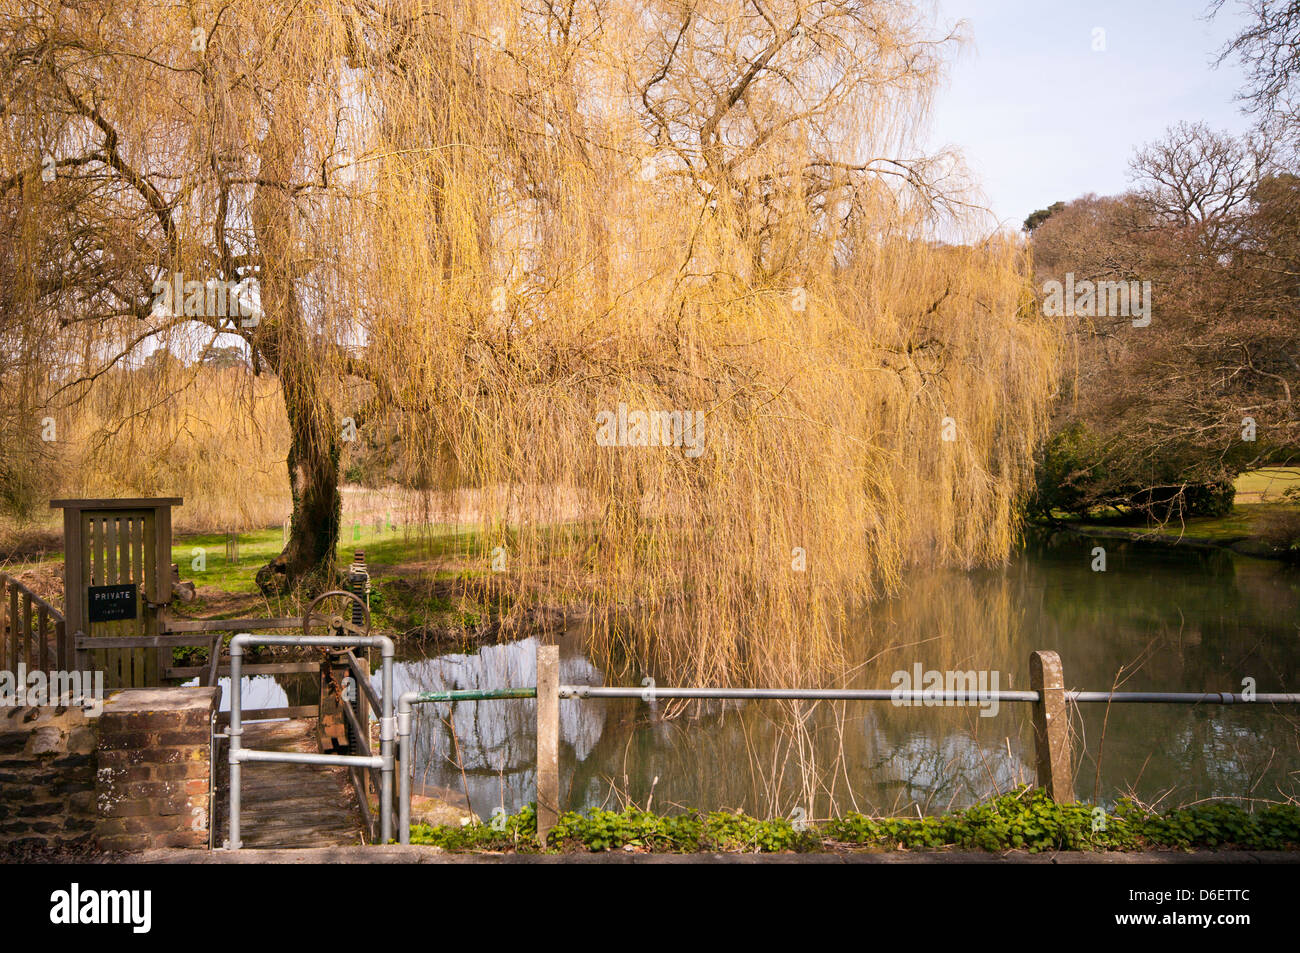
(362, 742)
(404, 703)
(808, 694)
(324, 641)
(238, 754)
(233, 733)
(471, 695)
(307, 757)
(912, 695)
(386, 727)
(1186, 698)
(363, 683)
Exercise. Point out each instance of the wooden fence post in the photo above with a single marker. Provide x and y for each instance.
(1051, 726)
(548, 739)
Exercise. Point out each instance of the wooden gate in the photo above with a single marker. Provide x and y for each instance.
(117, 581)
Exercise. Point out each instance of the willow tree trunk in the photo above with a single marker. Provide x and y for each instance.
(313, 463)
(313, 459)
(302, 361)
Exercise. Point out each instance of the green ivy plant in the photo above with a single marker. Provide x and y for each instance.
(1023, 819)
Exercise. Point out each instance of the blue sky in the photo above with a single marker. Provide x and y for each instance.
(1041, 116)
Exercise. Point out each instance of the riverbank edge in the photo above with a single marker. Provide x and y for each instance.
(1241, 545)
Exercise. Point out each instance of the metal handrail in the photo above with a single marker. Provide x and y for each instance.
(1186, 698)
(408, 699)
(363, 681)
(404, 703)
(238, 754)
(915, 695)
(366, 696)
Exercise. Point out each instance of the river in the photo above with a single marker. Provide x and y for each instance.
(1157, 619)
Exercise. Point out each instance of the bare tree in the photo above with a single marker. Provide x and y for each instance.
(1269, 49)
(1205, 390)
(1198, 180)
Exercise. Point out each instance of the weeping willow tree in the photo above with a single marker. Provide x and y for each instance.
(670, 286)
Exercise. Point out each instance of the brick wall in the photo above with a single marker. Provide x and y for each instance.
(47, 777)
(154, 768)
(135, 777)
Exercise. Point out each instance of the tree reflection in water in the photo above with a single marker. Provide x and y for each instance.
(1180, 621)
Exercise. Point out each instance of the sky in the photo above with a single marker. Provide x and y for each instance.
(1042, 117)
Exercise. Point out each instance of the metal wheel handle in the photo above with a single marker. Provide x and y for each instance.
(336, 623)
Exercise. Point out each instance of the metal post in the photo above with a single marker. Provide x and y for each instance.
(548, 739)
(386, 747)
(234, 731)
(1051, 726)
(404, 758)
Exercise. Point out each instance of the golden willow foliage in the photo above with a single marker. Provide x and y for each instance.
(506, 220)
(215, 437)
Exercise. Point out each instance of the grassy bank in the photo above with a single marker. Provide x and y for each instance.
(1266, 484)
(419, 580)
(428, 580)
(432, 579)
(1246, 521)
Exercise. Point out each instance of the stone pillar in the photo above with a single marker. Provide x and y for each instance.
(155, 768)
(548, 739)
(1051, 726)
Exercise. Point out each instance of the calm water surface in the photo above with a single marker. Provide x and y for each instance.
(1157, 619)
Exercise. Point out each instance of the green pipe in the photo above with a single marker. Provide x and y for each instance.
(473, 695)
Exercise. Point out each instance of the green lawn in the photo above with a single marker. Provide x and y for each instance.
(201, 558)
(407, 588)
(1266, 484)
(1242, 522)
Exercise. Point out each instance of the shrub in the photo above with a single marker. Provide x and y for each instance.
(1281, 529)
(1209, 499)
(1069, 469)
